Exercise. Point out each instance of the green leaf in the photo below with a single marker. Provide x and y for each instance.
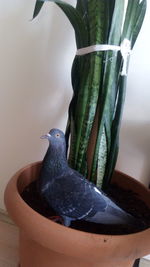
(108, 92)
(102, 159)
(73, 16)
(37, 8)
(133, 20)
(132, 25)
(139, 20)
(90, 76)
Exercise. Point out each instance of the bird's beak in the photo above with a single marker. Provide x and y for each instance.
(46, 136)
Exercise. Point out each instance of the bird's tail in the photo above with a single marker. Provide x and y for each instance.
(113, 215)
(122, 217)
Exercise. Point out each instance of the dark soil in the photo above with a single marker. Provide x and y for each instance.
(126, 199)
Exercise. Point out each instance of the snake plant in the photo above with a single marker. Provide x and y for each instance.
(98, 81)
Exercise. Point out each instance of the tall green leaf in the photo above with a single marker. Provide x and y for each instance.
(73, 16)
(107, 93)
(95, 110)
(134, 19)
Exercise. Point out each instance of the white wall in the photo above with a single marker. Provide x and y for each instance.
(35, 88)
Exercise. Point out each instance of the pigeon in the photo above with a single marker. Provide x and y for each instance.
(69, 193)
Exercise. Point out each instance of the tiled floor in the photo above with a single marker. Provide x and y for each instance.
(144, 263)
(9, 246)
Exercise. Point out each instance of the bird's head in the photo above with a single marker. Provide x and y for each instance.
(55, 137)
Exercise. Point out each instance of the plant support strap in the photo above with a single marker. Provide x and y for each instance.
(124, 48)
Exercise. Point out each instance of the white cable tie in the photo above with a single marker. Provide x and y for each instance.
(96, 48)
(124, 48)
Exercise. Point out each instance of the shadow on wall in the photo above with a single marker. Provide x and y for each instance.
(36, 58)
(59, 57)
(134, 155)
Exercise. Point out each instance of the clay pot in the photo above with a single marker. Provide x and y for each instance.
(45, 243)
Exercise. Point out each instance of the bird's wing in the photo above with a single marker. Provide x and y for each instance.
(109, 213)
(73, 196)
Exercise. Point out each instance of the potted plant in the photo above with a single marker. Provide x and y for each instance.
(105, 35)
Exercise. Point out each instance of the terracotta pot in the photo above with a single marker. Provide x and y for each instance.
(45, 243)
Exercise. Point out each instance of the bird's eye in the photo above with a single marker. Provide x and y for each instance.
(57, 135)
